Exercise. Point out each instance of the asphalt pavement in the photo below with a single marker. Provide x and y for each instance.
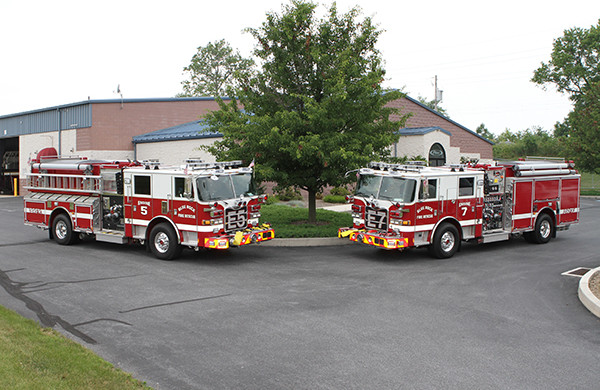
(495, 316)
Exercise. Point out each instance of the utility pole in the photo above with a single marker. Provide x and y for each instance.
(437, 97)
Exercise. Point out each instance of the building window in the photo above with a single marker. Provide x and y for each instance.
(437, 155)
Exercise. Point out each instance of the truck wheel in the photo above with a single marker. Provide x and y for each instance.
(62, 230)
(445, 241)
(163, 242)
(544, 229)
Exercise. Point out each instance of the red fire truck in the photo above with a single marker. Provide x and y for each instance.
(401, 206)
(197, 205)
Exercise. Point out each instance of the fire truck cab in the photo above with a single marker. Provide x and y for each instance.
(400, 206)
(197, 205)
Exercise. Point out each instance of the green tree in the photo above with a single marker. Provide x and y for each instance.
(435, 106)
(583, 136)
(574, 68)
(316, 107)
(530, 142)
(212, 69)
(574, 64)
(484, 132)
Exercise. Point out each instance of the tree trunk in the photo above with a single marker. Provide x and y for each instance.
(312, 206)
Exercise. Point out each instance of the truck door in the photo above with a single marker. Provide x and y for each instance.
(427, 210)
(466, 210)
(185, 210)
(141, 204)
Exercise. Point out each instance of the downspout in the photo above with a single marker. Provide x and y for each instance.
(59, 132)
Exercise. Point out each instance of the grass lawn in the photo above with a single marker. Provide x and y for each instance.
(590, 183)
(40, 358)
(290, 222)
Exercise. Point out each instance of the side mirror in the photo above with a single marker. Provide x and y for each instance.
(189, 188)
(424, 191)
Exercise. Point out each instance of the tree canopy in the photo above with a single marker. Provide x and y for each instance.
(212, 69)
(529, 142)
(574, 68)
(484, 132)
(316, 107)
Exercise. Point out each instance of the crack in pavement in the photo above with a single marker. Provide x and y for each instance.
(18, 291)
(22, 243)
(173, 303)
(36, 287)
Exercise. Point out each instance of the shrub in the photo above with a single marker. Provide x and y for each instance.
(288, 193)
(272, 199)
(340, 191)
(335, 199)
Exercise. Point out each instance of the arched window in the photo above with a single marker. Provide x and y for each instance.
(437, 155)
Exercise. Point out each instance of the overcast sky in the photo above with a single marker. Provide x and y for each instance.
(484, 53)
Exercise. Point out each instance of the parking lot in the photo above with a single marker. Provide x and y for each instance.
(346, 317)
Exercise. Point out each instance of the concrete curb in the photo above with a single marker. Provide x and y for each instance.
(310, 241)
(589, 300)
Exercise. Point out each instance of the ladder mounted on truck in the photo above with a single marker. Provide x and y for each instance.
(70, 183)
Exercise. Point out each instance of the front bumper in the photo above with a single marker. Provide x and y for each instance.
(373, 238)
(242, 237)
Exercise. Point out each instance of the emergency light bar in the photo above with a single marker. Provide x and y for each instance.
(410, 166)
(151, 163)
(208, 165)
(194, 161)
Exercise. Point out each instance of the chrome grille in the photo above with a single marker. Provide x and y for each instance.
(376, 218)
(236, 219)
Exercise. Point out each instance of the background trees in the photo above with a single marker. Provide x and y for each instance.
(211, 70)
(574, 68)
(529, 142)
(315, 108)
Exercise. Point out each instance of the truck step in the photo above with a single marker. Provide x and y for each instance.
(495, 237)
(114, 237)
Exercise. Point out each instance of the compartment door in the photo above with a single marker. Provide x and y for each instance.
(522, 213)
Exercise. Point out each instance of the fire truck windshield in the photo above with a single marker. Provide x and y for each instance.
(224, 187)
(395, 189)
(243, 184)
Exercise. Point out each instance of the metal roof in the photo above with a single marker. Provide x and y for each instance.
(67, 116)
(422, 130)
(101, 101)
(190, 130)
(74, 116)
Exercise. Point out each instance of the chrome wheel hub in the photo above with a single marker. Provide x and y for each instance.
(447, 241)
(545, 229)
(161, 242)
(61, 230)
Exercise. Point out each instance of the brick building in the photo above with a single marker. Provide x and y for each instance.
(169, 129)
(429, 134)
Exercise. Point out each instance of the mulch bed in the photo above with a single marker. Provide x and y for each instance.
(594, 284)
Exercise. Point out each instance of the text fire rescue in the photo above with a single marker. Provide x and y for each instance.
(400, 206)
(209, 205)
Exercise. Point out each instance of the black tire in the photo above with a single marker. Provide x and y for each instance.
(62, 230)
(544, 229)
(163, 242)
(445, 241)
